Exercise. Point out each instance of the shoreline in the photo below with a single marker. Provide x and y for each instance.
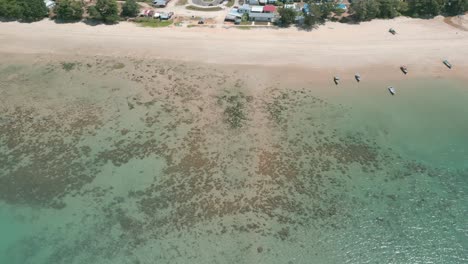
(332, 49)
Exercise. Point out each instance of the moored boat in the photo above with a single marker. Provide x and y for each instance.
(336, 79)
(357, 76)
(391, 90)
(447, 63)
(404, 69)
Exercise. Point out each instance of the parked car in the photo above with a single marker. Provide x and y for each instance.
(146, 13)
(166, 16)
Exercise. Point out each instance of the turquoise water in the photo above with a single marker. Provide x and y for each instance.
(101, 166)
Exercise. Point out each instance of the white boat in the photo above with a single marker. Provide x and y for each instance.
(391, 90)
(447, 63)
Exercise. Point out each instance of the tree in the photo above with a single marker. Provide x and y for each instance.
(69, 10)
(326, 8)
(425, 8)
(288, 16)
(389, 8)
(130, 8)
(365, 10)
(309, 20)
(9, 9)
(105, 10)
(456, 7)
(32, 10)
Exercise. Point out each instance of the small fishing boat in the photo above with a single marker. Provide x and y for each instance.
(357, 77)
(391, 90)
(336, 79)
(392, 31)
(448, 64)
(404, 69)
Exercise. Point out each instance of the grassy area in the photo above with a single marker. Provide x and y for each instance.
(155, 23)
(196, 8)
(244, 27)
(182, 2)
(230, 3)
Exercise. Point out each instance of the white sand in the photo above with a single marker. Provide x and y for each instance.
(420, 44)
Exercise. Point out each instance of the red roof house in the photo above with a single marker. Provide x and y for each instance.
(269, 9)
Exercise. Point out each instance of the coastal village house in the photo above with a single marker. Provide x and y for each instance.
(256, 13)
(262, 17)
(260, 2)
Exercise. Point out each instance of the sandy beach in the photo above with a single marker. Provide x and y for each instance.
(334, 47)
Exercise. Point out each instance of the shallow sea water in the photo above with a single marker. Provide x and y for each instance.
(136, 162)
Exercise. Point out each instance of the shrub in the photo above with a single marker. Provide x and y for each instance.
(105, 10)
(9, 9)
(130, 8)
(69, 10)
(288, 15)
(33, 10)
(24, 10)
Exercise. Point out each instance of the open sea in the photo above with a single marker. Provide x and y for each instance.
(132, 162)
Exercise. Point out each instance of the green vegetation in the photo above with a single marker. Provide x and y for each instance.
(69, 10)
(244, 27)
(364, 10)
(196, 8)
(105, 10)
(23, 10)
(245, 17)
(150, 22)
(230, 3)
(288, 16)
(130, 8)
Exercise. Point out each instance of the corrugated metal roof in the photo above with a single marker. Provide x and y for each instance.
(245, 7)
(269, 8)
(257, 9)
(266, 15)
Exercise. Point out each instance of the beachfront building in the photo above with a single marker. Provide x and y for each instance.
(244, 9)
(258, 13)
(262, 17)
(233, 15)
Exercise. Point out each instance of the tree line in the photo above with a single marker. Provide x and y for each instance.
(364, 10)
(106, 11)
(316, 13)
